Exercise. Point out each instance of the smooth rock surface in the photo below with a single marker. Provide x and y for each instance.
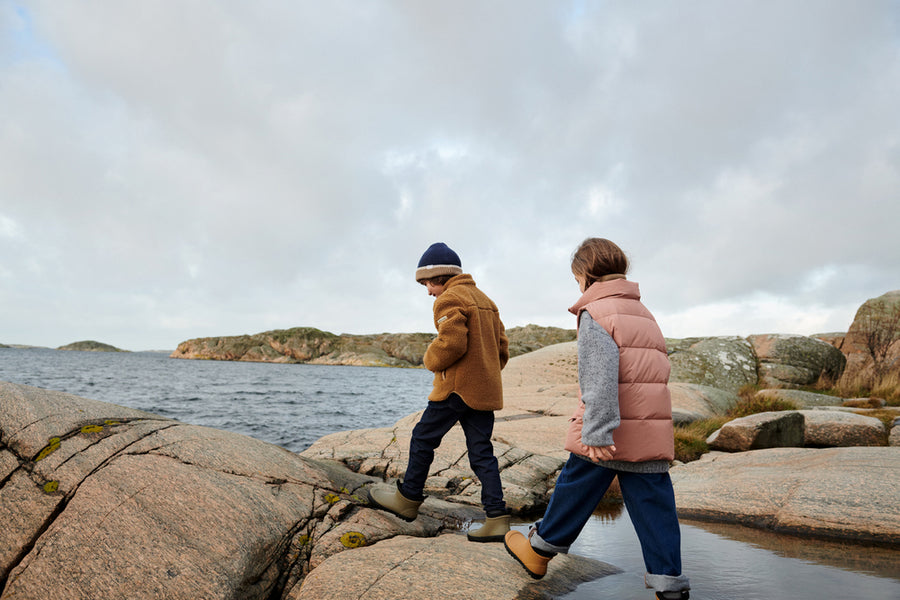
(692, 401)
(836, 493)
(104, 502)
(446, 567)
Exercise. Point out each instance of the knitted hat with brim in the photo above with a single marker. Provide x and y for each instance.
(439, 259)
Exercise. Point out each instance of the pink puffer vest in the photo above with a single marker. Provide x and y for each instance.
(645, 407)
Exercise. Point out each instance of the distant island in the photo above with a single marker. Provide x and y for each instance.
(90, 346)
(314, 346)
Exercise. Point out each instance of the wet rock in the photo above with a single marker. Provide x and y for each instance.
(447, 566)
(827, 428)
(762, 430)
(794, 360)
(726, 363)
(838, 493)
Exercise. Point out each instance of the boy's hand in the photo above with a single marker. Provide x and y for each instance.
(598, 453)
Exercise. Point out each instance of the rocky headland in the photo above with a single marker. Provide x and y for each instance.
(313, 346)
(101, 501)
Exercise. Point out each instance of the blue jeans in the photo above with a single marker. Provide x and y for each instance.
(478, 426)
(650, 501)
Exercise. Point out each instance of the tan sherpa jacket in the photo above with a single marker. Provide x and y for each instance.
(471, 347)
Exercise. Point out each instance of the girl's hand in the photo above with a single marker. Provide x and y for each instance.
(598, 453)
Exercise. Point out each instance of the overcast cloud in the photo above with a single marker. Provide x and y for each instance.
(171, 170)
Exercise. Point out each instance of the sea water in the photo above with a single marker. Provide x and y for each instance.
(294, 405)
(289, 405)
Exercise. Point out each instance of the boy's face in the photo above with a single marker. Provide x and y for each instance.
(434, 289)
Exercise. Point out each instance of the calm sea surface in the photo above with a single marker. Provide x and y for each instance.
(294, 405)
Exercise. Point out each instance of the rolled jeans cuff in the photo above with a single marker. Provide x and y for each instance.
(538, 542)
(666, 583)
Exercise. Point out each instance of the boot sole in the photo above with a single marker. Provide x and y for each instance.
(378, 505)
(485, 539)
(518, 560)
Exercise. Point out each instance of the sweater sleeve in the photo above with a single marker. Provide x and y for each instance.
(453, 335)
(598, 376)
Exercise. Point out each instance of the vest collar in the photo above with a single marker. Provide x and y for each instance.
(609, 286)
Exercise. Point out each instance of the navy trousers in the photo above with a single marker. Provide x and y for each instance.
(478, 426)
(650, 501)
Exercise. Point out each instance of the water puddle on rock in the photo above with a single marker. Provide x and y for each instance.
(732, 562)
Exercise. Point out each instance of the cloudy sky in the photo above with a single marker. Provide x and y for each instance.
(171, 170)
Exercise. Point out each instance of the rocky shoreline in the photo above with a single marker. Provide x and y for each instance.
(156, 508)
(107, 502)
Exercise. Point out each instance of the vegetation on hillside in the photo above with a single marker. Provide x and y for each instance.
(90, 346)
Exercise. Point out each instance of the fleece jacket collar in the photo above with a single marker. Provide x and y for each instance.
(461, 279)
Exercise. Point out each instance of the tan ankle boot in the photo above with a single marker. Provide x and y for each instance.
(493, 530)
(389, 498)
(520, 549)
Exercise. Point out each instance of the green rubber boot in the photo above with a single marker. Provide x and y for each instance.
(493, 530)
(389, 498)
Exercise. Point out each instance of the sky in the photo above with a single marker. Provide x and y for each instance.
(172, 170)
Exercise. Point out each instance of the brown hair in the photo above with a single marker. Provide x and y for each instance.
(597, 257)
(438, 280)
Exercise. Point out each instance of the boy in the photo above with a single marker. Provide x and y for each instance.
(466, 358)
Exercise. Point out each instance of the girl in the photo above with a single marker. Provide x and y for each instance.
(622, 428)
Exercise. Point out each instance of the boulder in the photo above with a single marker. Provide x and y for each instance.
(872, 344)
(835, 338)
(828, 428)
(104, 501)
(692, 402)
(894, 437)
(835, 493)
(447, 566)
(726, 363)
(795, 360)
(762, 430)
(799, 398)
(527, 477)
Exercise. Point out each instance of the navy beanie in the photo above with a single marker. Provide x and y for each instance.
(439, 259)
